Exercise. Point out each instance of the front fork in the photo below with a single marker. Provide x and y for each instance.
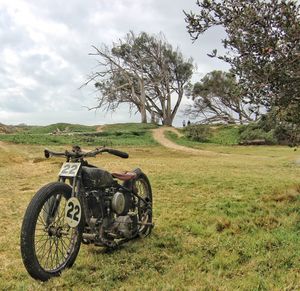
(55, 201)
(77, 191)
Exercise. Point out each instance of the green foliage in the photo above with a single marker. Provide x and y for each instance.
(263, 49)
(199, 133)
(285, 132)
(254, 132)
(272, 130)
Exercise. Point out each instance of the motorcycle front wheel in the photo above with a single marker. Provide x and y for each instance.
(48, 244)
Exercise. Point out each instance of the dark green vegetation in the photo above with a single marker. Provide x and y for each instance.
(261, 131)
(62, 133)
(222, 222)
(262, 48)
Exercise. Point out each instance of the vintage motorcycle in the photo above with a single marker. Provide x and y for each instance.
(86, 205)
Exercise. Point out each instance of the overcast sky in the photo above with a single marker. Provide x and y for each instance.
(44, 47)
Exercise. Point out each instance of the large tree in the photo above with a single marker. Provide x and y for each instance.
(143, 71)
(219, 98)
(263, 44)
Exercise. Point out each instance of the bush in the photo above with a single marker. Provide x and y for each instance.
(200, 132)
(284, 132)
(253, 131)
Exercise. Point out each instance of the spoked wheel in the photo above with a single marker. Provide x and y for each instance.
(48, 243)
(141, 186)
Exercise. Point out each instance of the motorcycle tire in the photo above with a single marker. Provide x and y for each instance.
(141, 186)
(48, 244)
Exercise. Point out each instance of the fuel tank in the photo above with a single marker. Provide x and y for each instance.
(96, 178)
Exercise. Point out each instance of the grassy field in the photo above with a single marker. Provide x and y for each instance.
(222, 222)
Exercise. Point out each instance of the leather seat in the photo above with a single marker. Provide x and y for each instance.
(124, 176)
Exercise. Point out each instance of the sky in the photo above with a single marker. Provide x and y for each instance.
(45, 46)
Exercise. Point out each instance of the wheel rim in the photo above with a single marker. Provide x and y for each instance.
(143, 212)
(54, 240)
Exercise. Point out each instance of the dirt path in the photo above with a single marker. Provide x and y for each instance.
(99, 128)
(2, 144)
(159, 136)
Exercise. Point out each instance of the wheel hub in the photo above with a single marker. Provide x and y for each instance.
(55, 231)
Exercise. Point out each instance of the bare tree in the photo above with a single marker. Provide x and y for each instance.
(143, 71)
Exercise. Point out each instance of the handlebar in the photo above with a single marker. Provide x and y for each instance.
(120, 154)
(81, 154)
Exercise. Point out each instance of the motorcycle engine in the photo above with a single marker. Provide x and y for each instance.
(121, 203)
(121, 222)
(126, 222)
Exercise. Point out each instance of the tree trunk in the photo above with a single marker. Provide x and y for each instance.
(240, 118)
(143, 102)
(167, 117)
(153, 117)
(143, 115)
(168, 121)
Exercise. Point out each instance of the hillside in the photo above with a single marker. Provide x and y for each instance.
(6, 129)
(127, 134)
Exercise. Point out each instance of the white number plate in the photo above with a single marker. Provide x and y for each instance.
(69, 169)
(73, 212)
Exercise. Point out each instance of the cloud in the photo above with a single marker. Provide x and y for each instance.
(45, 45)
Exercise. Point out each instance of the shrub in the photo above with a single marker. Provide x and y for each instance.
(200, 132)
(285, 132)
(254, 131)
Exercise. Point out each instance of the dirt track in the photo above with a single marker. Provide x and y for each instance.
(159, 136)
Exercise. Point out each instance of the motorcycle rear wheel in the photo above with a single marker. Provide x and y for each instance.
(48, 244)
(141, 186)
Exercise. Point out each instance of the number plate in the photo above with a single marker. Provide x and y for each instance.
(73, 212)
(69, 170)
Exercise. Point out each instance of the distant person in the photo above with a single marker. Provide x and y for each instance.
(183, 123)
(189, 123)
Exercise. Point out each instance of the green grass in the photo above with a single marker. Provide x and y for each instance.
(225, 135)
(128, 127)
(216, 134)
(226, 222)
(97, 139)
(269, 151)
(131, 134)
(222, 222)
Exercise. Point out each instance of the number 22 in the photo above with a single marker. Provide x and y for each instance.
(73, 211)
(69, 170)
